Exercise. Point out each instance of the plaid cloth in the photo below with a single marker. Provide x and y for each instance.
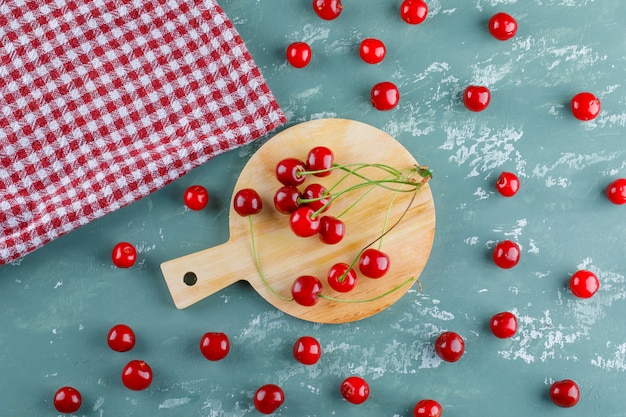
(104, 101)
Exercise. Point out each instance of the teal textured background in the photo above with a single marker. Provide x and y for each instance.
(58, 303)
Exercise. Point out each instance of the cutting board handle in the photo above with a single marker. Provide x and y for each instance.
(194, 277)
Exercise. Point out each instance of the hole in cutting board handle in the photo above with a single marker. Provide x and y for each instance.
(190, 279)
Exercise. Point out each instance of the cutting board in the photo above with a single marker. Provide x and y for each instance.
(283, 256)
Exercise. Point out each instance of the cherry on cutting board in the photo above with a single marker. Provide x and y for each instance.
(427, 408)
(332, 230)
(124, 255)
(289, 171)
(585, 106)
(341, 277)
(374, 263)
(306, 289)
(565, 393)
(247, 202)
(286, 199)
(307, 350)
(372, 50)
(214, 346)
(355, 389)
(502, 26)
(268, 398)
(196, 197)
(476, 98)
(302, 222)
(385, 96)
(121, 338)
(320, 158)
(67, 400)
(299, 54)
(413, 12)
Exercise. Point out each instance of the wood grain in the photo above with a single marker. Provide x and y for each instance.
(284, 256)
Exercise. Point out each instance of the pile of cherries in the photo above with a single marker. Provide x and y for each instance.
(307, 211)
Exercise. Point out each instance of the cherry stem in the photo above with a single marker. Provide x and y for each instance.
(258, 265)
(367, 300)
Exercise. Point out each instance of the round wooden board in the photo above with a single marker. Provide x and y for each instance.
(283, 256)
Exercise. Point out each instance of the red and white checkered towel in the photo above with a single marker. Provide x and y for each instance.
(104, 101)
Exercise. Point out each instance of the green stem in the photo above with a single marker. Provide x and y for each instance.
(367, 300)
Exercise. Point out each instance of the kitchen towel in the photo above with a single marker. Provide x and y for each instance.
(105, 101)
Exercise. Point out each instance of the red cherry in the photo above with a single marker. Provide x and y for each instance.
(507, 184)
(341, 277)
(289, 171)
(427, 408)
(247, 202)
(584, 284)
(374, 263)
(449, 346)
(327, 9)
(137, 375)
(616, 191)
(121, 338)
(303, 223)
(124, 255)
(476, 98)
(585, 106)
(385, 96)
(299, 54)
(355, 389)
(413, 12)
(506, 254)
(503, 325)
(332, 230)
(320, 158)
(196, 197)
(372, 50)
(268, 398)
(286, 199)
(307, 350)
(305, 290)
(319, 195)
(565, 393)
(502, 26)
(67, 400)
(214, 346)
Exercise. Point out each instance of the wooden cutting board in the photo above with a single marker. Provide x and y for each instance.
(283, 256)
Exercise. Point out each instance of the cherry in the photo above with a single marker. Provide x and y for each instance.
(374, 263)
(427, 408)
(124, 255)
(565, 393)
(385, 96)
(303, 223)
(507, 184)
(332, 230)
(137, 375)
(327, 9)
(320, 158)
(503, 325)
(584, 284)
(616, 191)
(502, 26)
(299, 54)
(196, 197)
(247, 202)
(372, 50)
(355, 389)
(67, 400)
(506, 254)
(449, 346)
(476, 98)
(585, 106)
(268, 398)
(341, 277)
(214, 346)
(286, 199)
(121, 338)
(305, 290)
(289, 171)
(319, 195)
(307, 350)
(413, 12)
